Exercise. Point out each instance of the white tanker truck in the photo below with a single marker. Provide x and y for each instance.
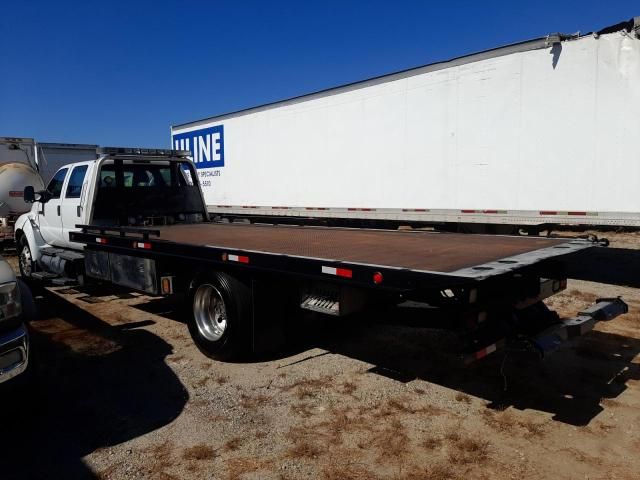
(23, 161)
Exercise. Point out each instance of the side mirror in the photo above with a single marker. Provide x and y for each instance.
(44, 196)
(29, 194)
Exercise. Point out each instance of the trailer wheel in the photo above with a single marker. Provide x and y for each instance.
(221, 316)
(25, 259)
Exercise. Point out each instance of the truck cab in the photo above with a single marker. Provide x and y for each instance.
(122, 187)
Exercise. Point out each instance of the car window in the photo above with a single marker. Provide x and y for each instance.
(55, 185)
(74, 186)
(107, 178)
(137, 176)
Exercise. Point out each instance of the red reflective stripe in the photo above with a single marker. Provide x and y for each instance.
(101, 240)
(577, 213)
(344, 272)
(16, 193)
(237, 258)
(486, 351)
(481, 354)
(143, 245)
(548, 212)
(340, 272)
(490, 211)
(468, 211)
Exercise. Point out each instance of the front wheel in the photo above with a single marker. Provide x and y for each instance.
(221, 316)
(25, 259)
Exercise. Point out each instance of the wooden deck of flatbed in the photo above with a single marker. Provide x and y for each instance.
(413, 250)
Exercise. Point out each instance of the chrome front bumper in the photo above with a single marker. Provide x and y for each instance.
(14, 353)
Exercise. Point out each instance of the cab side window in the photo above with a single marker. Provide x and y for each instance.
(74, 186)
(55, 185)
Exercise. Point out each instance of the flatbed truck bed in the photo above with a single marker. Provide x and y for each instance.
(398, 260)
(421, 251)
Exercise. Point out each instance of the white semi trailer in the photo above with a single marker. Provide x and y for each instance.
(523, 136)
(23, 162)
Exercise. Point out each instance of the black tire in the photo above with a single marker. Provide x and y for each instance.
(25, 259)
(225, 339)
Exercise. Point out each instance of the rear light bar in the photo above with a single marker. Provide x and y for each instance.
(144, 245)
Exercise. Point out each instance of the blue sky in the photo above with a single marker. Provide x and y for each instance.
(120, 73)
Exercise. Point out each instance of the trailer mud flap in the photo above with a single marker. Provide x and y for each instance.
(124, 270)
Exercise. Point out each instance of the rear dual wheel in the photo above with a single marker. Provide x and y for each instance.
(221, 316)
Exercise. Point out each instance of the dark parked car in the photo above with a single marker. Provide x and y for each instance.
(14, 338)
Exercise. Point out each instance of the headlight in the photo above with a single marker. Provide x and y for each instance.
(9, 300)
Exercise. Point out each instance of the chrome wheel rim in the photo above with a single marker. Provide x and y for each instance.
(25, 261)
(210, 312)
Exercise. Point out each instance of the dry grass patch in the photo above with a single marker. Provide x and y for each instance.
(331, 430)
(237, 467)
(253, 402)
(463, 398)
(199, 452)
(347, 471)
(201, 382)
(432, 443)
(392, 443)
(303, 409)
(506, 422)
(220, 379)
(232, 445)
(531, 428)
(304, 449)
(348, 388)
(162, 454)
(503, 421)
(307, 387)
(468, 450)
(436, 472)
(582, 296)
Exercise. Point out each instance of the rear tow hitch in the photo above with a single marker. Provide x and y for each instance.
(550, 339)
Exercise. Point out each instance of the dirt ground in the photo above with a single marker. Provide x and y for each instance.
(122, 392)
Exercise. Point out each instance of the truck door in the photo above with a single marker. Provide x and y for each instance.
(73, 202)
(49, 218)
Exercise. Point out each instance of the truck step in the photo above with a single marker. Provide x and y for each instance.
(69, 255)
(63, 281)
(321, 303)
(43, 276)
(53, 279)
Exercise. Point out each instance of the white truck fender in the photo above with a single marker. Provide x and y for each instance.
(25, 226)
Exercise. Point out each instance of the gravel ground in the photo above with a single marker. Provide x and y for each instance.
(121, 392)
